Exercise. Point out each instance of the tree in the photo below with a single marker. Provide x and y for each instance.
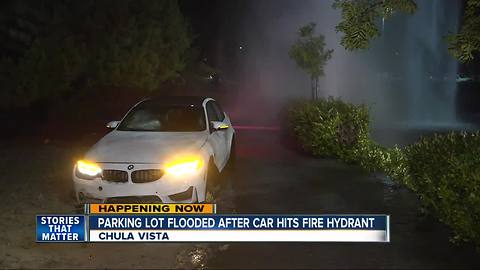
(360, 19)
(310, 55)
(136, 44)
(466, 43)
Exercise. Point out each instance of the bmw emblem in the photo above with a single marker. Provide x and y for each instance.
(130, 167)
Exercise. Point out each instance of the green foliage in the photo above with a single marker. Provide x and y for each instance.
(466, 43)
(444, 170)
(48, 70)
(309, 51)
(330, 127)
(147, 48)
(360, 19)
(310, 54)
(446, 173)
(129, 44)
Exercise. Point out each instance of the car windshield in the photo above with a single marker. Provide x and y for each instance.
(150, 116)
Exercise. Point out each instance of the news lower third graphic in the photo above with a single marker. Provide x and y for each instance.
(194, 223)
(61, 228)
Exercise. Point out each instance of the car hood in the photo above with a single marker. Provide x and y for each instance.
(144, 147)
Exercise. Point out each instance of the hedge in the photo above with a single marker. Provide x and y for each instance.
(445, 173)
(330, 128)
(443, 170)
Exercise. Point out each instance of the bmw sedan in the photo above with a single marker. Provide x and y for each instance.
(165, 149)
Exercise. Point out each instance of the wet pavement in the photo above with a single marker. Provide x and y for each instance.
(273, 177)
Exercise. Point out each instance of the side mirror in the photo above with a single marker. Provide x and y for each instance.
(113, 124)
(218, 125)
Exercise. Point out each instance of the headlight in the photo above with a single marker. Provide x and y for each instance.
(87, 170)
(184, 166)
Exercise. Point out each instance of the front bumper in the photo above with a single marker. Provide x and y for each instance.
(165, 188)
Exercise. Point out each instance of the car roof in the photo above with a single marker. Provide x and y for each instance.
(177, 100)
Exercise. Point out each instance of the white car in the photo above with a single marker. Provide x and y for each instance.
(165, 149)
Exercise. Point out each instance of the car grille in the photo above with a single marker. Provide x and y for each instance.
(134, 199)
(115, 176)
(145, 176)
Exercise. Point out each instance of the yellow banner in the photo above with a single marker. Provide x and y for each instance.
(176, 208)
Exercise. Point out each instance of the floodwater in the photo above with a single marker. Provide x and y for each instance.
(273, 177)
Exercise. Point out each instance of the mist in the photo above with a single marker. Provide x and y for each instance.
(406, 77)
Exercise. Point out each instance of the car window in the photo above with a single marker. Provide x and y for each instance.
(214, 111)
(154, 117)
(218, 110)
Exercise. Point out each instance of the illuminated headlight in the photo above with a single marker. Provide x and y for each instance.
(87, 170)
(184, 166)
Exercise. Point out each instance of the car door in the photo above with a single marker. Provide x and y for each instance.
(218, 139)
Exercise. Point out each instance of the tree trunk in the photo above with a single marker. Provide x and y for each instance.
(316, 88)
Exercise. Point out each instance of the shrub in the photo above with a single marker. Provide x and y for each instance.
(444, 170)
(373, 157)
(330, 127)
(445, 173)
